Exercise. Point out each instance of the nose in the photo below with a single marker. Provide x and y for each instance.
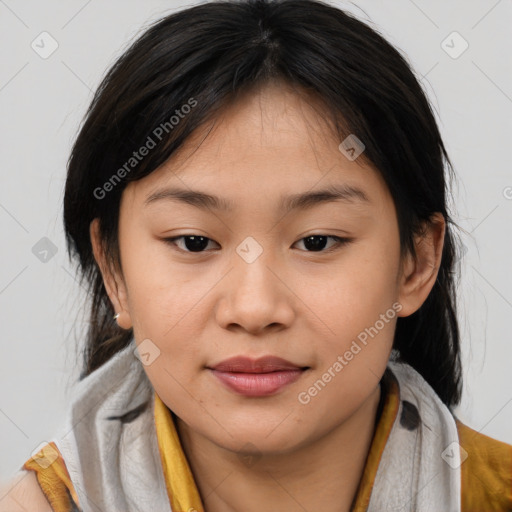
(256, 298)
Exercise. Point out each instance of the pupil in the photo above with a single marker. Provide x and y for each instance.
(316, 242)
(196, 243)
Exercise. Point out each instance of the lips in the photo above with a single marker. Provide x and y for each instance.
(256, 377)
(264, 364)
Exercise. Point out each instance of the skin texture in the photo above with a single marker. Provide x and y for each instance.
(303, 305)
(22, 494)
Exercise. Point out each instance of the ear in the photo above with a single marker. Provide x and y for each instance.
(418, 275)
(113, 281)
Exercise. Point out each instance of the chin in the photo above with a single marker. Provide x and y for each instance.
(258, 440)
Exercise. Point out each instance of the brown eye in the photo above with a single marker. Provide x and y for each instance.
(317, 243)
(191, 243)
(313, 243)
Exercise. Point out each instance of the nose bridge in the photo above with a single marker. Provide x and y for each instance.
(251, 273)
(254, 297)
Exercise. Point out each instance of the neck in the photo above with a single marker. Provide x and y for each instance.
(323, 475)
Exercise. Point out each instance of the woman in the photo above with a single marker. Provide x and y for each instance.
(257, 200)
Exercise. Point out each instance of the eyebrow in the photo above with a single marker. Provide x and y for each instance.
(302, 201)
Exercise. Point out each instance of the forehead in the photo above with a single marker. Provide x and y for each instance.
(271, 142)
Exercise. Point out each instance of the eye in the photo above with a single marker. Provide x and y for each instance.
(316, 243)
(313, 243)
(191, 243)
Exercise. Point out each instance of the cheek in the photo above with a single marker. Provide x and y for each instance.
(161, 293)
(354, 291)
(357, 308)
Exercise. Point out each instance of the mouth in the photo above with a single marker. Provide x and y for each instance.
(257, 377)
(258, 384)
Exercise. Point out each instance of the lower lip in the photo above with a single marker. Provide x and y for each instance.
(258, 384)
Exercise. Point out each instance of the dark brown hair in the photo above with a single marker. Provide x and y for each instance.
(213, 52)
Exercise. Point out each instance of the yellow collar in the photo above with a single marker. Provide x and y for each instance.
(181, 487)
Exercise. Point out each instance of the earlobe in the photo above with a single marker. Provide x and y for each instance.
(114, 285)
(419, 273)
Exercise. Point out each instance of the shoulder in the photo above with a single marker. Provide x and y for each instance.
(486, 471)
(23, 493)
(51, 474)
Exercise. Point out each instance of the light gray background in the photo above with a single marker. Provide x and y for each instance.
(43, 100)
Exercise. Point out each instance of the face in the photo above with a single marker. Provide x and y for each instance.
(318, 284)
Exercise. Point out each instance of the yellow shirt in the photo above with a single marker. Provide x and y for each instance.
(486, 474)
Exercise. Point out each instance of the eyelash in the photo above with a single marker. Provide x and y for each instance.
(339, 242)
